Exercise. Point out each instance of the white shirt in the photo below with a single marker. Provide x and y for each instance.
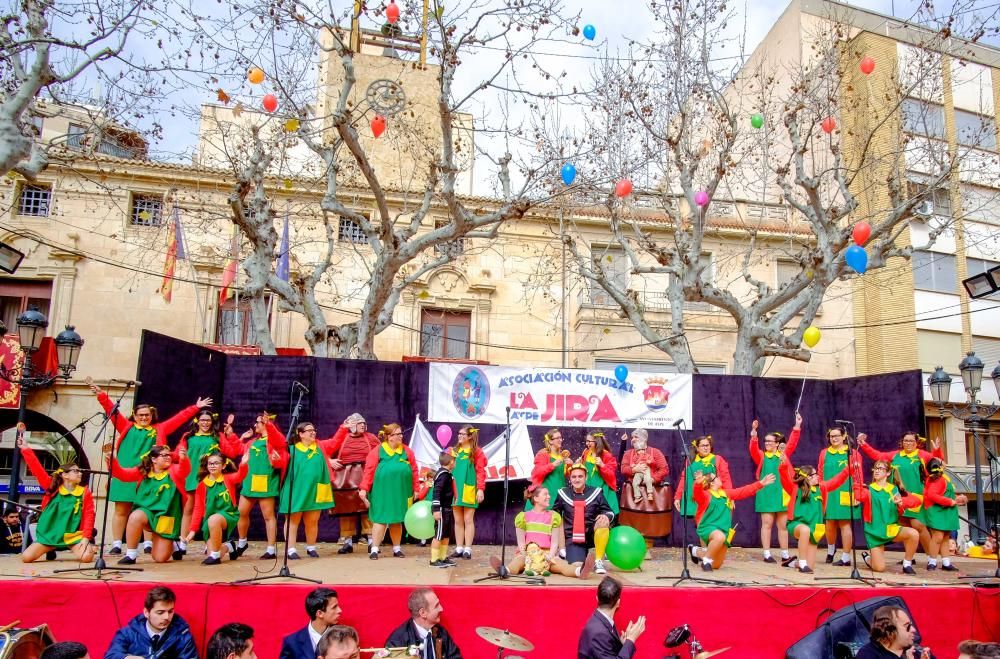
(610, 619)
(314, 635)
(428, 644)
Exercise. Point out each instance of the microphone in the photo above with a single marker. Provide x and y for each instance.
(131, 383)
(508, 409)
(301, 386)
(678, 423)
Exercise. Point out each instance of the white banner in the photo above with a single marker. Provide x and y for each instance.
(459, 393)
(426, 450)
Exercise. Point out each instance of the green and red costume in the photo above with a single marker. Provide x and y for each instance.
(941, 508)
(390, 479)
(198, 444)
(263, 475)
(810, 511)
(217, 496)
(911, 466)
(469, 473)
(160, 495)
(880, 512)
(306, 478)
(772, 498)
(67, 515)
(605, 477)
(714, 509)
(548, 475)
(713, 463)
(838, 501)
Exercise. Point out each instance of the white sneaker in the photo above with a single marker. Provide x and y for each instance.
(599, 567)
(562, 553)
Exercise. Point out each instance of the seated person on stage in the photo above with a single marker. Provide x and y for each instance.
(232, 641)
(892, 635)
(156, 633)
(424, 628)
(538, 531)
(600, 638)
(65, 650)
(11, 538)
(973, 650)
(586, 522)
(323, 609)
(339, 642)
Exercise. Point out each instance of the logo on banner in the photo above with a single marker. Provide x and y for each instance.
(656, 394)
(471, 392)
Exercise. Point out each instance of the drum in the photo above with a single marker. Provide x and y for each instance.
(25, 643)
(345, 483)
(653, 519)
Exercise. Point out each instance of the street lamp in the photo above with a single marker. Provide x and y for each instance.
(31, 326)
(971, 412)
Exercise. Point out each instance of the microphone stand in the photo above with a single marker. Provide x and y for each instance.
(503, 574)
(685, 574)
(284, 572)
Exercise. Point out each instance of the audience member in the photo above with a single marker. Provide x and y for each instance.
(323, 609)
(156, 633)
(424, 628)
(232, 641)
(600, 638)
(892, 635)
(974, 650)
(11, 537)
(65, 650)
(339, 642)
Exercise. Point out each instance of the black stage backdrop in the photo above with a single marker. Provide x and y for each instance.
(174, 373)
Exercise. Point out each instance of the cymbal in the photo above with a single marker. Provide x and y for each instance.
(504, 639)
(706, 655)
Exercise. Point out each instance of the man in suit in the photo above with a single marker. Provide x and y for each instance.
(424, 628)
(600, 639)
(323, 609)
(156, 633)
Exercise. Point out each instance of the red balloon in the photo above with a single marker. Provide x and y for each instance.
(623, 188)
(867, 65)
(378, 125)
(392, 12)
(270, 102)
(861, 233)
(828, 125)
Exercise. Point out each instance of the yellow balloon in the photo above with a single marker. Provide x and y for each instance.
(811, 336)
(256, 76)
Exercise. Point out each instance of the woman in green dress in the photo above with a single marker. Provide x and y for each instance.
(67, 519)
(469, 473)
(772, 502)
(214, 512)
(387, 488)
(306, 487)
(881, 502)
(602, 468)
(705, 460)
(714, 505)
(159, 502)
(264, 446)
(838, 503)
(941, 513)
(805, 506)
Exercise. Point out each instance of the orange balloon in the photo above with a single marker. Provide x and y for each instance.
(256, 76)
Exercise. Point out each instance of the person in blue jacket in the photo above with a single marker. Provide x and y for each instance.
(156, 633)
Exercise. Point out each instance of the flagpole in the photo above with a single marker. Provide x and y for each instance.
(181, 240)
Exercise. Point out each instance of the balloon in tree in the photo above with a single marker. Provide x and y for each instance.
(861, 233)
(444, 435)
(626, 547)
(378, 125)
(621, 372)
(701, 198)
(256, 76)
(857, 258)
(392, 15)
(811, 336)
(419, 520)
(568, 172)
(867, 65)
(270, 102)
(623, 188)
(589, 32)
(757, 120)
(828, 125)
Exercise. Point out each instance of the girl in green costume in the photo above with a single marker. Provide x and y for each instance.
(264, 446)
(602, 468)
(772, 501)
(159, 502)
(705, 460)
(67, 519)
(714, 515)
(215, 511)
(837, 503)
(306, 487)
(881, 501)
(470, 486)
(942, 514)
(391, 479)
(805, 506)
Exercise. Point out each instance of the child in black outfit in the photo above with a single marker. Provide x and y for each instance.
(441, 501)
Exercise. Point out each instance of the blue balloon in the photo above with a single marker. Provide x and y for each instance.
(857, 259)
(568, 173)
(589, 32)
(621, 372)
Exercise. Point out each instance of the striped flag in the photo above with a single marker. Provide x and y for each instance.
(281, 270)
(229, 272)
(175, 251)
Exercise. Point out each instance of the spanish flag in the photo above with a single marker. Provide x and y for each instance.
(175, 250)
(229, 272)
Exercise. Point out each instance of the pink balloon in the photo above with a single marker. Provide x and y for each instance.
(443, 435)
(701, 198)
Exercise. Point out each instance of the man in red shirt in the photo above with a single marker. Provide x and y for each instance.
(350, 448)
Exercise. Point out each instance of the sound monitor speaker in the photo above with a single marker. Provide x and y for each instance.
(845, 631)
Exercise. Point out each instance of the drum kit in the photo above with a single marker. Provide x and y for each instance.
(26, 643)
(504, 640)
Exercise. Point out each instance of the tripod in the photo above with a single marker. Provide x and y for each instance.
(855, 573)
(284, 572)
(685, 574)
(502, 574)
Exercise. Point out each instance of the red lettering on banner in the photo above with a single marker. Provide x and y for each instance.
(520, 401)
(553, 407)
(605, 411)
(494, 472)
(577, 408)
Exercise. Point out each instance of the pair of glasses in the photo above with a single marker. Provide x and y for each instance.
(308, 430)
(398, 432)
(74, 470)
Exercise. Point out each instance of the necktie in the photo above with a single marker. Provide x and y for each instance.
(155, 642)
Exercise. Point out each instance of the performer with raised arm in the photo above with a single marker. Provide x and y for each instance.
(67, 519)
(771, 502)
(837, 503)
(306, 487)
(349, 449)
(215, 511)
(942, 514)
(714, 515)
(136, 435)
(705, 461)
(391, 479)
(264, 446)
(470, 487)
(602, 467)
(881, 502)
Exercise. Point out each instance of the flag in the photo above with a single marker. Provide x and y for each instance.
(282, 268)
(229, 272)
(175, 250)
(522, 458)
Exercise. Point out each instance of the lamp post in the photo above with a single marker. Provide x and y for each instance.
(31, 327)
(971, 412)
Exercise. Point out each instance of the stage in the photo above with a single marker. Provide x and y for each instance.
(771, 609)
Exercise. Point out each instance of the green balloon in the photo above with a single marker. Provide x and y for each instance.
(757, 120)
(626, 547)
(419, 520)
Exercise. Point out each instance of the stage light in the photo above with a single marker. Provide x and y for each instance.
(10, 258)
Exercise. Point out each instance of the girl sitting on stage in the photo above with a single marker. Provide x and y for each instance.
(942, 514)
(306, 487)
(881, 502)
(264, 449)
(771, 501)
(67, 519)
(215, 511)
(714, 515)
(470, 487)
(541, 526)
(805, 507)
(838, 502)
(705, 461)
(159, 502)
(204, 440)
(391, 478)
